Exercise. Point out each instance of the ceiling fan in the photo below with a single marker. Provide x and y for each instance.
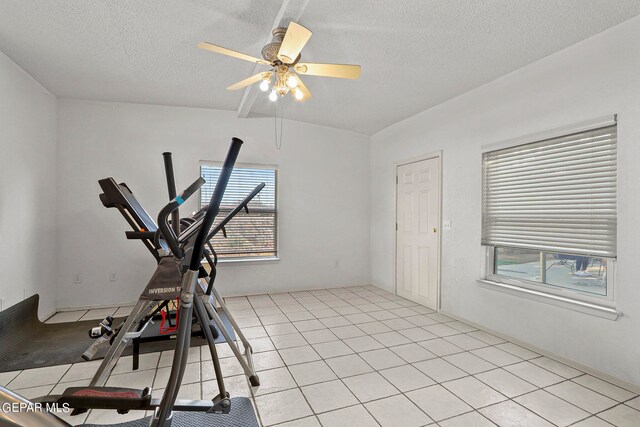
(283, 56)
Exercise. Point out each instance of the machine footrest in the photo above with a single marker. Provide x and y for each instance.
(106, 398)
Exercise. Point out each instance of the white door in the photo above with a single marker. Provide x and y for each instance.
(418, 222)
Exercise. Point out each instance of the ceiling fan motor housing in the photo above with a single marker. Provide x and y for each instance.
(270, 51)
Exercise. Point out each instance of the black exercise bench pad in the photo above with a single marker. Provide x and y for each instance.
(241, 415)
(26, 342)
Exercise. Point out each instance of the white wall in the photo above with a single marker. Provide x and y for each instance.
(27, 188)
(323, 196)
(594, 78)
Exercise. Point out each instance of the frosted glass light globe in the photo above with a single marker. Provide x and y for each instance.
(292, 81)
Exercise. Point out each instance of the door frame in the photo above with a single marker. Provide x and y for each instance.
(434, 155)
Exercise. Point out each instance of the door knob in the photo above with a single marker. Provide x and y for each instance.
(435, 229)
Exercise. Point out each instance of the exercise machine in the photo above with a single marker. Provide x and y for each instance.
(186, 257)
(155, 296)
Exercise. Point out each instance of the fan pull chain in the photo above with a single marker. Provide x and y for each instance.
(280, 100)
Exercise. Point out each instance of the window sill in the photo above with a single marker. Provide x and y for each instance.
(248, 261)
(559, 301)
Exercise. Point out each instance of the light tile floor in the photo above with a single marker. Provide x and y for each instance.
(360, 356)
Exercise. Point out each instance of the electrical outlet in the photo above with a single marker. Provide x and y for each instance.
(113, 277)
(446, 224)
(77, 278)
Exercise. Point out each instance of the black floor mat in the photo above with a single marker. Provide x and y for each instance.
(242, 415)
(26, 342)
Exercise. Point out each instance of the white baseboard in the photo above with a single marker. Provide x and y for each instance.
(48, 315)
(390, 290)
(591, 371)
(97, 306)
(282, 291)
(224, 295)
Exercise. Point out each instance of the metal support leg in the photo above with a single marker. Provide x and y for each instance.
(221, 403)
(120, 342)
(236, 328)
(163, 415)
(245, 361)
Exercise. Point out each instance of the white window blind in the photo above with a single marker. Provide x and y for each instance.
(556, 195)
(248, 236)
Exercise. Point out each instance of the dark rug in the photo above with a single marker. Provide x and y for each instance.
(26, 342)
(241, 415)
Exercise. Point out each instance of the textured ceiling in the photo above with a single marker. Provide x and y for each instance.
(414, 53)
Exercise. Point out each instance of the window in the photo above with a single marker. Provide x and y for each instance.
(252, 236)
(549, 214)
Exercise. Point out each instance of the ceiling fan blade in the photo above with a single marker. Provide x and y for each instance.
(249, 81)
(223, 50)
(294, 40)
(302, 88)
(342, 71)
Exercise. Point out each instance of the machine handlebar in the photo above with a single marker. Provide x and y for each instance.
(168, 233)
(214, 204)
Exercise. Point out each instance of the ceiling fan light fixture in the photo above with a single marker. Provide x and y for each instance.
(282, 90)
(292, 81)
(273, 96)
(264, 86)
(298, 94)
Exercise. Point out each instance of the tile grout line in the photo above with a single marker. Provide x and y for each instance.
(347, 387)
(309, 298)
(288, 370)
(435, 383)
(337, 376)
(467, 351)
(470, 351)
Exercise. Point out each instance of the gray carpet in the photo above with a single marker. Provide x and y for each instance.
(241, 415)
(26, 342)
